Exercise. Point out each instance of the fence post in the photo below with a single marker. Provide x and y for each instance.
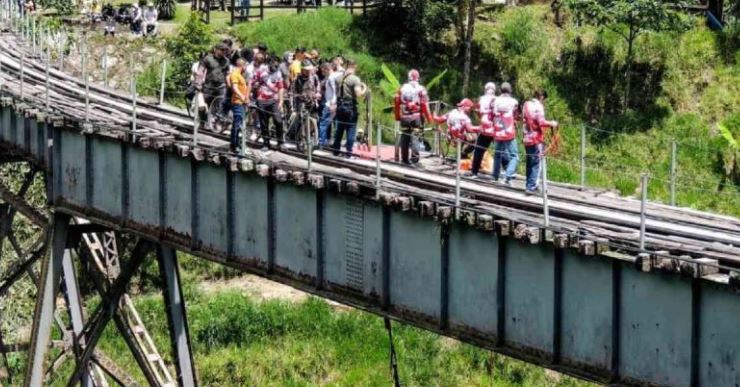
(87, 98)
(105, 67)
(61, 58)
(33, 35)
(545, 204)
(643, 203)
(378, 144)
(133, 98)
(46, 81)
(262, 9)
(23, 59)
(164, 76)
(673, 173)
(457, 179)
(83, 61)
(583, 157)
(309, 143)
(436, 132)
(233, 4)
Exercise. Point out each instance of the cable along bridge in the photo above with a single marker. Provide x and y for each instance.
(595, 290)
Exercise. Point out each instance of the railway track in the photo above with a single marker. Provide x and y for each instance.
(587, 213)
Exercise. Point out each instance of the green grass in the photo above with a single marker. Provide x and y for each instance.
(238, 341)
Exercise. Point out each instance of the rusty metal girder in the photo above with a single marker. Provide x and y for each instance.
(21, 206)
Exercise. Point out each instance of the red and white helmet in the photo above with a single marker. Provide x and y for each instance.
(414, 75)
(466, 103)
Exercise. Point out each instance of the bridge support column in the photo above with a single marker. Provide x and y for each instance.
(74, 307)
(176, 316)
(51, 271)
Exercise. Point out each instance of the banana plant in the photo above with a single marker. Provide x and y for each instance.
(391, 84)
(731, 157)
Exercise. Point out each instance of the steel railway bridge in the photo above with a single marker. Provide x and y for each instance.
(575, 293)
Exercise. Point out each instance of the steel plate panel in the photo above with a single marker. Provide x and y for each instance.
(212, 207)
(586, 310)
(250, 219)
(107, 182)
(295, 229)
(178, 192)
(719, 337)
(73, 167)
(415, 265)
(143, 175)
(472, 284)
(655, 328)
(529, 296)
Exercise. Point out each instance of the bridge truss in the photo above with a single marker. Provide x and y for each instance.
(52, 258)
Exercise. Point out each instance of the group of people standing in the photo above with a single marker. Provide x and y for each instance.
(300, 82)
(498, 115)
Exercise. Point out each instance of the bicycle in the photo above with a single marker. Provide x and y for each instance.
(303, 125)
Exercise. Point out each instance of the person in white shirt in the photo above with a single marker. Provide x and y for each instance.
(151, 26)
(330, 101)
(504, 114)
(136, 16)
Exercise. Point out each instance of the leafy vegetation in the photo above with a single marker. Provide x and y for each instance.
(239, 341)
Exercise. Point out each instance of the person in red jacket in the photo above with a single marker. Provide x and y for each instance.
(458, 120)
(485, 137)
(411, 109)
(505, 113)
(535, 126)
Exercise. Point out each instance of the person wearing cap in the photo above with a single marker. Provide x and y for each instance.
(305, 95)
(215, 66)
(315, 57)
(136, 16)
(485, 137)
(535, 126)
(504, 113)
(295, 67)
(458, 120)
(411, 110)
(349, 90)
(239, 100)
(150, 20)
(270, 87)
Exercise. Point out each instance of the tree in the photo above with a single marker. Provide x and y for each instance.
(166, 9)
(629, 19)
(465, 31)
(193, 38)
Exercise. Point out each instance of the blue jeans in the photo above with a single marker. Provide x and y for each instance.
(245, 8)
(325, 126)
(236, 127)
(534, 159)
(346, 122)
(505, 151)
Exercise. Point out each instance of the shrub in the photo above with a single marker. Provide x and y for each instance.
(193, 38)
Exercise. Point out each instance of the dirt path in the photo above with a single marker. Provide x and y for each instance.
(262, 289)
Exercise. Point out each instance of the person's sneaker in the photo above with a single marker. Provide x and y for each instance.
(507, 181)
(472, 177)
(530, 192)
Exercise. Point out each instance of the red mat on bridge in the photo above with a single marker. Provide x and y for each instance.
(387, 152)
